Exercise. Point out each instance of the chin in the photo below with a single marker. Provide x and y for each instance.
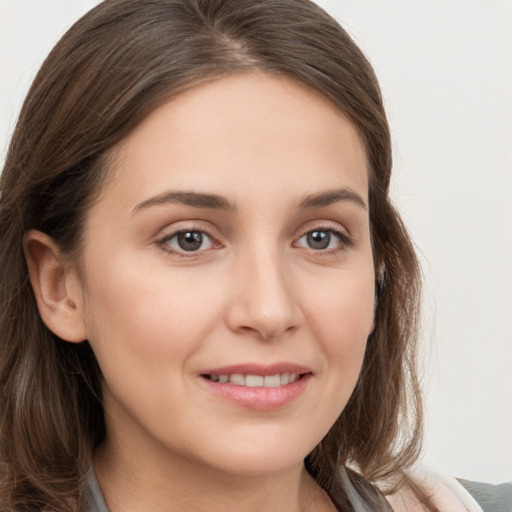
(259, 466)
(261, 458)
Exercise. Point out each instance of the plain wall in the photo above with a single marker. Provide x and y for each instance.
(445, 71)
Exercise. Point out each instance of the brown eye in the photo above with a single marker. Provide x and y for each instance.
(188, 241)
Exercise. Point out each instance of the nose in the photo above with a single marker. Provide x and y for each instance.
(264, 301)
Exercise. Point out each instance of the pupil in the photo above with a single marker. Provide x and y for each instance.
(318, 239)
(190, 240)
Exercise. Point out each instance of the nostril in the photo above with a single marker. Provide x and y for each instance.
(249, 316)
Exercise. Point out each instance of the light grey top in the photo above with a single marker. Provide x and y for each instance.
(492, 498)
(94, 496)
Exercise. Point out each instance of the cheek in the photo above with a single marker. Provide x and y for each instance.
(146, 316)
(341, 316)
(343, 308)
(145, 329)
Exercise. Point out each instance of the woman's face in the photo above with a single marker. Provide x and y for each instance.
(231, 244)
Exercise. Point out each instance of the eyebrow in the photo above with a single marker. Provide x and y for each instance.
(216, 202)
(194, 199)
(329, 197)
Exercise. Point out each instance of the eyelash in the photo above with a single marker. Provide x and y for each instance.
(344, 240)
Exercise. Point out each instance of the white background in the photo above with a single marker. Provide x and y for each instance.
(446, 73)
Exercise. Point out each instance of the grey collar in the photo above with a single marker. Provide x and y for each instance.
(93, 495)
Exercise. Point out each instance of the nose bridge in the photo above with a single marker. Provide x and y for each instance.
(266, 302)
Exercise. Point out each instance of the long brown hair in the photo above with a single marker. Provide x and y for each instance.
(105, 75)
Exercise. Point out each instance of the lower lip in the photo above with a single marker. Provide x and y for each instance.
(260, 398)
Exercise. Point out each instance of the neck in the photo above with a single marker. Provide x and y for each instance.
(158, 485)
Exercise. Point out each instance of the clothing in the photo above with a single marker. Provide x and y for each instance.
(458, 495)
(492, 498)
(450, 495)
(93, 494)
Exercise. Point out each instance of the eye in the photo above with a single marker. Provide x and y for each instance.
(323, 240)
(187, 241)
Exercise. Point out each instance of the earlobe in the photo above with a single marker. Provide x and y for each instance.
(55, 286)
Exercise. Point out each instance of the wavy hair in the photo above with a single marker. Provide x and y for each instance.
(113, 67)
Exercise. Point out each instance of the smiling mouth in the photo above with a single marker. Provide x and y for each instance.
(255, 381)
(259, 387)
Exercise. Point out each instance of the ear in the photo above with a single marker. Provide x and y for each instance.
(56, 287)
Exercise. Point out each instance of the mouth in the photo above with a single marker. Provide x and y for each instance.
(259, 387)
(255, 381)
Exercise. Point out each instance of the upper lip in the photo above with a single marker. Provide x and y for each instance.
(258, 369)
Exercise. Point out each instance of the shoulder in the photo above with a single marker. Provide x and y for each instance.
(445, 492)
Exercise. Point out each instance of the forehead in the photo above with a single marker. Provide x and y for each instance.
(241, 131)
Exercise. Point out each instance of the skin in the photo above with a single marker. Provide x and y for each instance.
(255, 291)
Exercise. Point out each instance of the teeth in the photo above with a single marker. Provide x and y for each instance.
(238, 379)
(272, 381)
(256, 381)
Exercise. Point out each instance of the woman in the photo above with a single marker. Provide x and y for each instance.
(205, 283)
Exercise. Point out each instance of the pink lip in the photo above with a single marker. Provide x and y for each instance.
(259, 398)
